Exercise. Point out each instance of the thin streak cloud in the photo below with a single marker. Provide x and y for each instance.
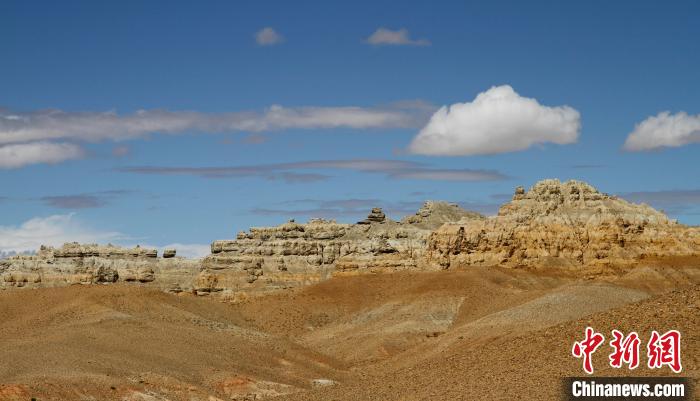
(394, 169)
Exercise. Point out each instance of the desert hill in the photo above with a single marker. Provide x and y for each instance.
(442, 305)
(406, 335)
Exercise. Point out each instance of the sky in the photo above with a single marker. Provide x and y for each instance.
(162, 123)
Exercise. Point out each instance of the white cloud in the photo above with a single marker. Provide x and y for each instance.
(96, 126)
(664, 130)
(23, 154)
(58, 229)
(53, 231)
(268, 37)
(384, 36)
(497, 121)
(195, 251)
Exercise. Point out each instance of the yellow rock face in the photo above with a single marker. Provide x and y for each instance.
(567, 224)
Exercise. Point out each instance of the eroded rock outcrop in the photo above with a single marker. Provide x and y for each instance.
(568, 224)
(75, 263)
(294, 254)
(552, 224)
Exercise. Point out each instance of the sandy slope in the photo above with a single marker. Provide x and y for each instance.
(527, 366)
(481, 333)
(85, 340)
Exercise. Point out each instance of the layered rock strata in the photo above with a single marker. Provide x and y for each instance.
(568, 224)
(294, 254)
(74, 263)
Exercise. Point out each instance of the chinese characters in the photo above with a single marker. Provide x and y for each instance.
(662, 349)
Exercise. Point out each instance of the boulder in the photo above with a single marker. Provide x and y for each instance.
(375, 216)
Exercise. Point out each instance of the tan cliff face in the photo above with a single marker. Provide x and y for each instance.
(568, 224)
(294, 254)
(75, 263)
(262, 259)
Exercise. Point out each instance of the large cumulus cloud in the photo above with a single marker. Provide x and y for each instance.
(497, 121)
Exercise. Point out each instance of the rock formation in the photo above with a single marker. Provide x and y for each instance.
(74, 263)
(434, 214)
(554, 224)
(375, 216)
(294, 254)
(568, 224)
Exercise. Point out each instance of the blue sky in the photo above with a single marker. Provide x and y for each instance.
(210, 90)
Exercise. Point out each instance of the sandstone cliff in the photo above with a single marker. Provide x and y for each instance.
(294, 254)
(568, 224)
(74, 263)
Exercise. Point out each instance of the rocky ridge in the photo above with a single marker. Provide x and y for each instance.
(294, 254)
(568, 224)
(553, 224)
(261, 259)
(75, 263)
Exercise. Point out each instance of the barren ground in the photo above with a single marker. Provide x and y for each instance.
(478, 333)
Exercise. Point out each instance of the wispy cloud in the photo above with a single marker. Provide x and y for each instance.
(268, 37)
(674, 202)
(395, 169)
(82, 201)
(58, 229)
(73, 201)
(16, 127)
(53, 136)
(24, 154)
(52, 230)
(399, 37)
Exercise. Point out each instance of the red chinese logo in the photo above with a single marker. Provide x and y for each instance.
(587, 347)
(662, 350)
(665, 350)
(626, 350)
